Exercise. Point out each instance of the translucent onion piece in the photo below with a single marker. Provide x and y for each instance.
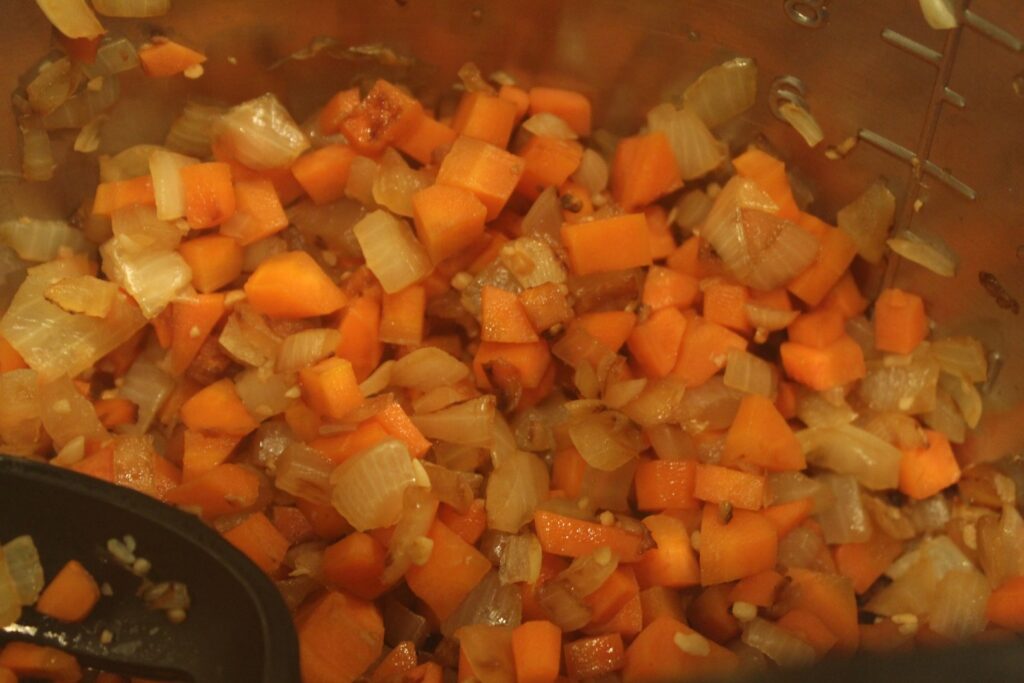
(261, 133)
(153, 278)
(849, 450)
(692, 208)
(944, 555)
(391, 250)
(661, 401)
(902, 431)
(723, 91)
(127, 164)
(145, 230)
(305, 348)
(192, 131)
(454, 488)
(806, 549)
(488, 650)
(305, 473)
(66, 414)
(607, 440)
(889, 519)
(379, 379)
(333, 223)
(907, 388)
(113, 57)
(428, 368)
(697, 151)
(494, 275)
(548, 125)
(10, 602)
(265, 394)
(774, 251)
(945, 417)
(939, 14)
(712, 405)
(592, 173)
(544, 219)
(73, 18)
(470, 423)
(490, 603)
(617, 395)
(248, 339)
(562, 606)
(37, 162)
(360, 180)
(54, 342)
(20, 423)
(85, 106)
(925, 253)
(1001, 545)
(395, 183)
(608, 490)
(23, 564)
(769, 319)
(958, 608)
(588, 572)
(168, 188)
(41, 240)
(845, 520)
(966, 396)
(780, 645)
(803, 122)
(269, 442)
(51, 87)
(747, 373)
(258, 252)
(867, 219)
(916, 575)
(520, 563)
(671, 443)
(532, 262)
(785, 487)
(88, 139)
(441, 397)
(965, 355)
(132, 8)
(514, 489)
(368, 488)
(405, 548)
(929, 515)
(148, 387)
(725, 227)
(815, 410)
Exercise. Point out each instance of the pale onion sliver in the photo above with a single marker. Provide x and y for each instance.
(696, 149)
(939, 14)
(132, 8)
(803, 122)
(428, 368)
(25, 569)
(368, 488)
(392, 251)
(924, 254)
(168, 187)
(306, 348)
(723, 91)
(73, 18)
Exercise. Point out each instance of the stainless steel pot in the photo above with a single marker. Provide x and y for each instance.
(938, 114)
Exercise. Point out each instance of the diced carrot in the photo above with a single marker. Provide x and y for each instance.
(99, 464)
(36, 661)
(360, 336)
(7, 676)
(817, 329)
(402, 316)
(608, 244)
(427, 138)
(770, 175)
(339, 638)
(655, 342)
(217, 408)
(531, 396)
(164, 57)
(354, 564)
(927, 470)
(202, 452)
(663, 653)
(546, 305)
(453, 569)
(337, 108)
(537, 650)
(401, 660)
(663, 242)
(835, 254)
(644, 169)
(215, 261)
(746, 544)
(611, 328)
(788, 516)
(864, 563)
(594, 656)
(567, 471)
(209, 194)
(340, 447)
(711, 614)
(548, 162)
(386, 116)
(627, 622)
(716, 484)
(118, 194)
(572, 107)
(260, 541)
(70, 595)
(665, 484)
(810, 629)
(114, 412)
(1006, 605)
(612, 595)
(468, 525)
(330, 388)
(666, 288)
(672, 562)
(760, 590)
(162, 327)
(845, 297)
(517, 96)
(192, 320)
(292, 285)
(704, 350)
(10, 359)
(839, 363)
(499, 363)
(486, 117)
(725, 303)
(503, 318)
(447, 219)
(570, 537)
(292, 524)
(323, 172)
(900, 321)
(327, 523)
(81, 50)
(258, 212)
(487, 171)
(223, 490)
(831, 599)
(658, 601)
(760, 436)
(396, 423)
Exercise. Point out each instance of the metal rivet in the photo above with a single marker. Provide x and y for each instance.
(807, 13)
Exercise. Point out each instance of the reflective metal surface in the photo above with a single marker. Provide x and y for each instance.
(870, 68)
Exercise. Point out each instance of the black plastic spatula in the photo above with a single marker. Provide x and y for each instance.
(237, 629)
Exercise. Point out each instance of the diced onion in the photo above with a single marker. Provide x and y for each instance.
(82, 108)
(916, 575)
(454, 488)
(520, 563)
(607, 440)
(608, 490)
(191, 132)
(332, 223)
(24, 567)
(907, 388)
(129, 163)
(248, 339)
(1001, 546)
(261, 133)
(143, 230)
(845, 520)
(441, 397)
(747, 373)
(305, 473)
(10, 603)
(945, 417)
(697, 151)
(958, 609)
(780, 645)
(767, 318)
(73, 18)
(379, 379)
(548, 125)
(803, 122)
(306, 348)
(939, 14)
(514, 489)
(929, 515)
(712, 405)
(926, 253)
(544, 219)
(368, 488)
(902, 431)
(470, 423)
(592, 173)
(961, 354)
(132, 8)
(395, 183)
(391, 250)
(428, 368)
(419, 508)
(359, 185)
(692, 208)
(88, 139)
(113, 57)
(152, 277)
(670, 442)
(532, 262)
(488, 650)
(889, 519)
(258, 252)
(168, 188)
(867, 219)
(723, 91)
(659, 402)
(966, 396)
(815, 410)
(265, 394)
(148, 387)
(852, 451)
(562, 606)
(51, 87)
(588, 572)
(37, 162)
(41, 240)
(786, 487)
(66, 414)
